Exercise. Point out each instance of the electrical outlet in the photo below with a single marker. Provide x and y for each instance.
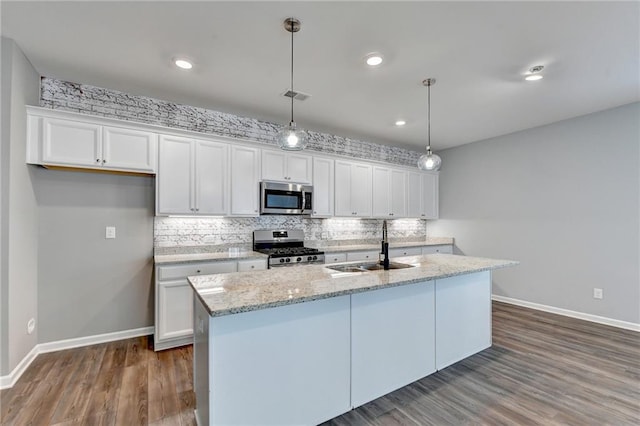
(110, 232)
(31, 325)
(597, 293)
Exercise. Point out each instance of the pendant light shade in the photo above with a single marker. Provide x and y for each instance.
(429, 161)
(291, 138)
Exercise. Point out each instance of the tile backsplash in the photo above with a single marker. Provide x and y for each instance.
(226, 232)
(237, 232)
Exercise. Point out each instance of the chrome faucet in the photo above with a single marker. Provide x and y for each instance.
(385, 247)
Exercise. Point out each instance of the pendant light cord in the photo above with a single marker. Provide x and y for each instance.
(292, 28)
(429, 116)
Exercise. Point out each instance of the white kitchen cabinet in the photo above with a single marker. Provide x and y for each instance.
(330, 258)
(389, 192)
(82, 144)
(286, 167)
(192, 177)
(323, 187)
(440, 248)
(369, 255)
(463, 317)
(353, 189)
(392, 339)
(405, 251)
(422, 195)
(245, 181)
(252, 265)
(174, 301)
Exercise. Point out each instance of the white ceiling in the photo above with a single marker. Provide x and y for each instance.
(477, 51)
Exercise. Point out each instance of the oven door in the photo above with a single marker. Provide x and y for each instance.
(285, 198)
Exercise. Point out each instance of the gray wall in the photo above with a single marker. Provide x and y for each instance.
(562, 199)
(90, 285)
(19, 230)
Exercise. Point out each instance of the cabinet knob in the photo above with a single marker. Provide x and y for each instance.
(255, 211)
(252, 266)
(422, 214)
(315, 212)
(104, 161)
(97, 160)
(197, 210)
(198, 271)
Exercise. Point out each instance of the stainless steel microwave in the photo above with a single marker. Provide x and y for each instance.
(285, 198)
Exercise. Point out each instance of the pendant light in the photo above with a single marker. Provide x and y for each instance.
(429, 161)
(289, 137)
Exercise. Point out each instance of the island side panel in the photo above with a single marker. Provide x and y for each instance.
(201, 361)
(393, 339)
(281, 366)
(463, 317)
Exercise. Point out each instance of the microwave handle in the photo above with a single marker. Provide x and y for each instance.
(304, 201)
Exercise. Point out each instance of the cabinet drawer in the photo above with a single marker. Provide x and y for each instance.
(335, 257)
(442, 248)
(362, 255)
(196, 268)
(252, 265)
(406, 251)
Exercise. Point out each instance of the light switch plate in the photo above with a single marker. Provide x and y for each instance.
(110, 232)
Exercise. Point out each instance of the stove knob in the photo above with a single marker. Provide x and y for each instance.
(309, 258)
(288, 260)
(298, 259)
(281, 260)
(315, 257)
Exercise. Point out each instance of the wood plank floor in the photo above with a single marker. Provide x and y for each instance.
(542, 369)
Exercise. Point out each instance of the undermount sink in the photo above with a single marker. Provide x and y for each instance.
(369, 266)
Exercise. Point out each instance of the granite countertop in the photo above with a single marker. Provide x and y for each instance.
(430, 241)
(161, 259)
(225, 294)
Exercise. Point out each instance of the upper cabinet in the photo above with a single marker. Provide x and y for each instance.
(353, 192)
(389, 192)
(245, 181)
(423, 195)
(323, 184)
(286, 167)
(192, 177)
(89, 144)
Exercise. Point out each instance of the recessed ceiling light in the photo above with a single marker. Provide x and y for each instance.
(373, 59)
(534, 73)
(400, 123)
(184, 64)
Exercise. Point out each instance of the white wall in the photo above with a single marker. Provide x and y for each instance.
(562, 199)
(20, 233)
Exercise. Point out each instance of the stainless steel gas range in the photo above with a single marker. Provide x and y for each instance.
(285, 247)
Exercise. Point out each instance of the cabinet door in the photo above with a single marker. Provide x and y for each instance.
(343, 189)
(252, 265)
(274, 165)
(298, 168)
(175, 310)
(323, 183)
(443, 248)
(175, 176)
(430, 195)
(381, 203)
(71, 143)
(211, 177)
(245, 173)
(361, 189)
(127, 149)
(398, 193)
(405, 251)
(463, 317)
(414, 195)
(330, 258)
(392, 339)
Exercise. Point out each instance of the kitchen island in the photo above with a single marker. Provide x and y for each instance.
(302, 345)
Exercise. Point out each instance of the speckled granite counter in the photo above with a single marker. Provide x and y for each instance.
(225, 294)
(338, 248)
(161, 259)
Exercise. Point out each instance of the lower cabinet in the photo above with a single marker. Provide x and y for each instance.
(392, 339)
(354, 256)
(463, 317)
(174, 298)
(405, 251)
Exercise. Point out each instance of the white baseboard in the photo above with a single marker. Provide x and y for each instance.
(11, 379)
(568, 313)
